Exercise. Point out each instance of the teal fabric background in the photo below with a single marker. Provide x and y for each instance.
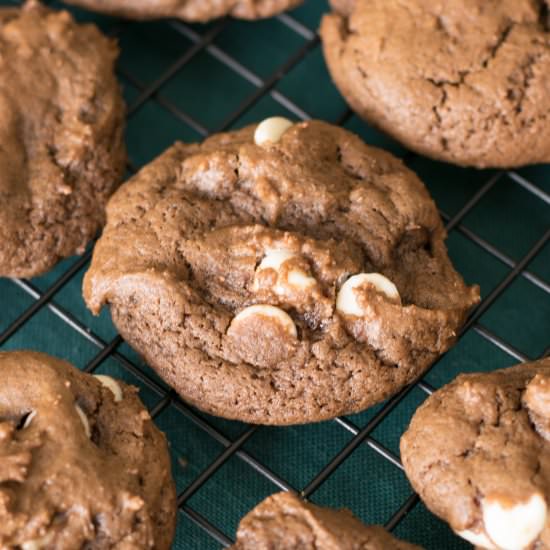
(508, 217)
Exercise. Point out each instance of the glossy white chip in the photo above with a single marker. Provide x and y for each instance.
(271, 129)
(514, 527)
(298, 279)
(346, 301)
(274, 259)
(263, 310)
(84, 420)
(29, 419)
(477, 539)
(111, 384)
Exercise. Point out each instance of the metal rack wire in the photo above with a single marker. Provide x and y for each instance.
(361, 435)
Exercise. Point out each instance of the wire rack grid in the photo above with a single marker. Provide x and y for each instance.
(185, 82)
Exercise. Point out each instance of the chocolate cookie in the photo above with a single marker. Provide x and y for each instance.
(61, 144)
(189, 10)
(285, 522)
(283, 273)
(464, 81)
(81, 463)
(478, 453)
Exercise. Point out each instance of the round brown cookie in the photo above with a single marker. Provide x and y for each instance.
(81, 463)
(465, 81)
(478, 453)
(227, 265)
(285, 522)
(61, 136)
(189, 10)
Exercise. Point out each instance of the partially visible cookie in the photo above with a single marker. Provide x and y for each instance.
(478, 453)
(283, 273)
(285, 522)
(464, 81)
(189, 10)
(81, 463)
(61, 136)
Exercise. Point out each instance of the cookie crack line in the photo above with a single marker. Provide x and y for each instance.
(528, 75)
(465, 73)
(544, 14)
(504, 34)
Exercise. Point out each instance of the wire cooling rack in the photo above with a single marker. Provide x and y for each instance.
(185, 82)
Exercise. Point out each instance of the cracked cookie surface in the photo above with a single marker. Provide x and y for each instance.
(286, 522)
(464, 81)
(228, 266)
(81, 463)
(189, 10)
(478, 453)
(61, 136)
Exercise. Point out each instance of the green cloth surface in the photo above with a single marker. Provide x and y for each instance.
(508, 217)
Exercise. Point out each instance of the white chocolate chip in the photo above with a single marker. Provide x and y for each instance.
(111, 384)
(346, 301)
(84, 420)
(275, 258)
(296, 278)
(29, 419)
(271, 129)
(39, 543)
(514, 527)
(477, 539)
(263, 310)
